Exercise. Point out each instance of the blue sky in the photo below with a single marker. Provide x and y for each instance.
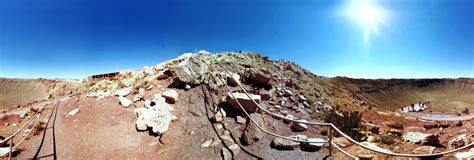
(76, 38)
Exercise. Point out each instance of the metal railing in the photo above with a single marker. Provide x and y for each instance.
(332, 127)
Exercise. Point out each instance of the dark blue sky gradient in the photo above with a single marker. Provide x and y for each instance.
(76, 38)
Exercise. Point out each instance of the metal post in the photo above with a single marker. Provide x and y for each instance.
(330, 140)
(10, 153)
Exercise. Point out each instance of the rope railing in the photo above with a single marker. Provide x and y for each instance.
(12, 148)
(21, 128)
(338, 130)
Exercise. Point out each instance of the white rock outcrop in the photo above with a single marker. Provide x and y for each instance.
(124, 101)
(139, 95)
(157, 117)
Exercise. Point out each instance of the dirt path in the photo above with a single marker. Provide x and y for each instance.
(47, 147)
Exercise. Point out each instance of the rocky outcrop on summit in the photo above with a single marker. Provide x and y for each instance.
(192, 70)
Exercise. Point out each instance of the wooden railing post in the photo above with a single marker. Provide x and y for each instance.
(10, 153)
(330, 140)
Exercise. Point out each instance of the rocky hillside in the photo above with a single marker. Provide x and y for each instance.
(194, 106)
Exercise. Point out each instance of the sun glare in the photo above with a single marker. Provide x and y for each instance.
(368, 15)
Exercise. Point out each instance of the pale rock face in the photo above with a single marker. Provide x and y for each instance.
(244, 100)
(73, 112)
(139, 95)
(125, 102)
(171, 96)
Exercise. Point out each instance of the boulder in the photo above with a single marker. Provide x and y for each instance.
(244, 100)
(284, 144)
(219, 116)
(171, 96)
(395, 125)
(287, 92)
(306, 104)
(264, 94)
(241, 120)
(422, 138)
(460, 141)
(191, 70)
(299, 126)
(251, 132)
(258, 77)
(431, 140)
(395, 132)
(206, 144)
(233, 79)
(123, 92)
(429, 126)
(73, 112)
(424, 150)
(156, 118)
(313, 144)
(289, 116)
(124, 101)
(139, 95)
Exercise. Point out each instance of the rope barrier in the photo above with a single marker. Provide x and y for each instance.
(340, 132)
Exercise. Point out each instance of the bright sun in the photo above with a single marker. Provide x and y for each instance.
(367, 14)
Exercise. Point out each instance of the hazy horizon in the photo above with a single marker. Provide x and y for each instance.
(358, 39)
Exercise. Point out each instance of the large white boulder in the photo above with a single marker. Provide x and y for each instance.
(158, 118)
(124, 101)
(244, 100)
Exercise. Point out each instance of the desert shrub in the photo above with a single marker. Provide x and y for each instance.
(388, 139)
(348, 122)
